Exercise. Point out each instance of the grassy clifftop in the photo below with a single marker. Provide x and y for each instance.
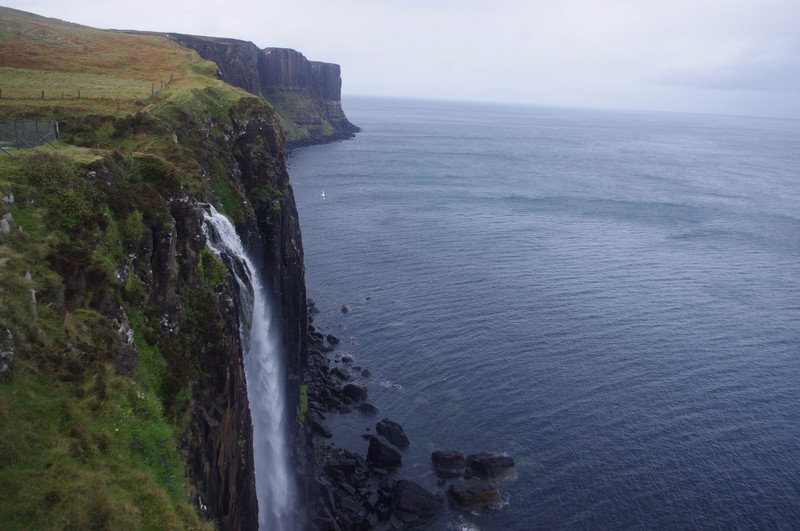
(105, 321)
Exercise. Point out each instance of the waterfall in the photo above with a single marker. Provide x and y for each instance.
(265, 377)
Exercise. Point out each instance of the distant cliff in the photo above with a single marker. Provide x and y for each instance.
(306, 94)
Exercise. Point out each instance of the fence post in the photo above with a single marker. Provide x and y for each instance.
(42, 94)
(79, 93)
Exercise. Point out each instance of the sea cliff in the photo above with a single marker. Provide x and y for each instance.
(123, 396)
(306, 94)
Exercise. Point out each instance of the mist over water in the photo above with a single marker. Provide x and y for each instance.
(611, 298)
(265, 376)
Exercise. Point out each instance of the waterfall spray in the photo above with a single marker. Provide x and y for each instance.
(265, 377)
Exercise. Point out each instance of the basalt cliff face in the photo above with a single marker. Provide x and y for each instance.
(306, 94)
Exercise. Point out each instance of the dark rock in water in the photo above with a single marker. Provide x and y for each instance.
(368, 409)
(355, 392)
(412, 504)
(366, 373)
(341, 373)
(491, 465)
(347, 358)
(345, 308)
(383, 455)
(474, 495)
(319, 427)
(332, 339)
(393, 432)
(448, 464)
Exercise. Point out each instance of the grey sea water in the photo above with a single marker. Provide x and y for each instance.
(612, 298)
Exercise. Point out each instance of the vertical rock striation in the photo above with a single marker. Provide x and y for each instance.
(306, 94)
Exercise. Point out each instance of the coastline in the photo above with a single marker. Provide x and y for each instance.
(353, 491)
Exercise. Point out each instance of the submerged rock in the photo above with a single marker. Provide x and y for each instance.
(474, 495)
(393, 432)
(412, 504)
(491, 465)
(448, 464)
(383, 455)
(355, 392)
(368, 409)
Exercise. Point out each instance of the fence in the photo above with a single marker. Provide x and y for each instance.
(128, 90)
(27, 134)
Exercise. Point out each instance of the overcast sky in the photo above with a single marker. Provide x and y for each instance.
(716, 56)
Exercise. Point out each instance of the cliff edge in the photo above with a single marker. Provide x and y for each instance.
(306, 94)
(123, 400)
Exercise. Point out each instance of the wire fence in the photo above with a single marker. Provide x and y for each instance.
(19, 134)
(91, 92)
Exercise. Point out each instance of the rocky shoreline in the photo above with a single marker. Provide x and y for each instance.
(351, 491)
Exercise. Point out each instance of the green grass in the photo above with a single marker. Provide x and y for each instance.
(90, 452)
(81, 446)
(27, 83)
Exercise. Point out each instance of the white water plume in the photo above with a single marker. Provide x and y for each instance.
(265, 373)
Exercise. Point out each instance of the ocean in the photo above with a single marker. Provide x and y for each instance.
(612, 298)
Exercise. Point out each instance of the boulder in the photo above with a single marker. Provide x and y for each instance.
(345, 308)
(393, 432)
(411, 503)
(474, 495)
(319, 427)
(366, 373)
(332, 339)
(341, 373)
(383, 455)
(491, 465)
(448, 464)
(355, 392)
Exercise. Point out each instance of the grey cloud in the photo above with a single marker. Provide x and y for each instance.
(752, 70)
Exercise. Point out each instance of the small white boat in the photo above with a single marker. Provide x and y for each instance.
(323, 194)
